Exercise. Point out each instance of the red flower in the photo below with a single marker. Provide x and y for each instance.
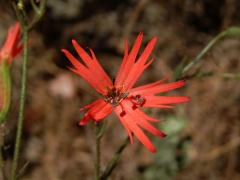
(9, 50)
(119, 96)
(11, 47)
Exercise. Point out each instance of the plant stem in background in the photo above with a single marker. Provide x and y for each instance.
(39, 12)
(114, 161)
(203, 52)
(230, 32)
(21, 14)
(1, 166)
(98, 137)
(22, 100)
(230, 75)
(2, 133)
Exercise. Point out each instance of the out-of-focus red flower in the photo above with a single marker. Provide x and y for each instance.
(11, 47)
(120, 96)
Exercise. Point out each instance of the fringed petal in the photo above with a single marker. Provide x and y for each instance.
(140, 119)
(141, 113)
(124, 61)
(133, 119)
(11, 46)
(164, 100)
(150, 85)
(157, 88)
(95, 80)
(118, 112)
(157, 106)
(134, 74)
(91, 105)
(102, 74)
(92, 64)
(139, 134)
(97, 110)
(128, 62)
(133, 71)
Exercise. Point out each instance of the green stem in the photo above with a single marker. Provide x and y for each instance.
(98, 150)
(22, 17)
(114, 161)
(1, 165)
(39, 12)
(22, 101)
(2, 134)
(230, 75)
(230, 32)
(204, 51)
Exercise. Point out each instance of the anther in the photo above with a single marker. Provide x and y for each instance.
(138, 100)
(134, 107)
(123, 113)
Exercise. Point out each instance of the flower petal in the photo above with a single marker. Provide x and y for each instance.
(90, 105)
(140, 119)
(128, 61)
(133, 119)
(92, 64)
(11, 48)
(134, 74)
(122, 67)
(140, 65)
(157, 88)
(98, 110)
(118, 112)
(150, 85)
(141, 113)
(139, 134)
(162, 100)
(130, 125)
(95, 80)
(158, 106)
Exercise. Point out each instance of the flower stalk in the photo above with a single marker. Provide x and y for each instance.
(203, 51)
(24, 27)
(98, 137)
(114, 161)
(2, 134)
(229, 32)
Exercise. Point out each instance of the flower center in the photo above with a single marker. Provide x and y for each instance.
(115, 96)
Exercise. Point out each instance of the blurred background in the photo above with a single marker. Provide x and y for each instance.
(203, 135)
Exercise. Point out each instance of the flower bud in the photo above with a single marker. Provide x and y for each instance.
(9, 50)
(5, 90)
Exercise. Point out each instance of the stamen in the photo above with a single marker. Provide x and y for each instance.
(115, 96)
(137, 100)
(123, 113)
(134, 107)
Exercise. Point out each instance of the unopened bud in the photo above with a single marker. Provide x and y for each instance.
(5, 90)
